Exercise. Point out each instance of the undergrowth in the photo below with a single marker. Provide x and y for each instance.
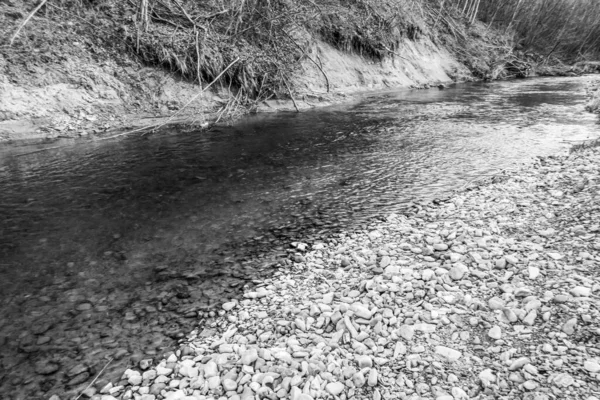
(265, 40)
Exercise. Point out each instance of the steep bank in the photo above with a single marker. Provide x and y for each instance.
(80, 69)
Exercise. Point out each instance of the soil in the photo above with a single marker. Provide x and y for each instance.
(61, 80)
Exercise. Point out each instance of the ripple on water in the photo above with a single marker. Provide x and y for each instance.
(100, 243)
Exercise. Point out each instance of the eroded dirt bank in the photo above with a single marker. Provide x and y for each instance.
(78, 95)
(82, 70)
(492, 293)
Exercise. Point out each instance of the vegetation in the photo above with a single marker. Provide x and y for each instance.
(254, 47)
(266, 40)
(569, 29)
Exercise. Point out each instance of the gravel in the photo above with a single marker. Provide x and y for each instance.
(491, 293)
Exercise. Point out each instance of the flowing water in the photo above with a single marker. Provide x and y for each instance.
(113, 249)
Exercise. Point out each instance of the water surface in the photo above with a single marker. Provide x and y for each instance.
(105, 223)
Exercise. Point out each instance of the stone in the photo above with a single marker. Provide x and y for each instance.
(249, 357)
(555, 256)
(448, 353)
(229, 385)
(384, 262)
(487, 377)
(162, 371)
(511, 259)
(530, 318)
(440, 246)
(373, 377)
(458, 271)
(210, 369)
(591, 366)
(569, 326)
(46, 367)
(563, 380)
(406, 331)
(519, 363)
(145, 364)
(581, 291)
(459, 394)
(495, 332)
(496, 303)
(335, 388)
(364, 361)
(359, 379)
(534, 272)
(327, 298)
(530, 385)
(361, 311)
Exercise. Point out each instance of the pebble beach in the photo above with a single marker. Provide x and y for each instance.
(492, 293)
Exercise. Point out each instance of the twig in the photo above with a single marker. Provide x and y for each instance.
(155, 127)
(291, 95)
(393, 52)
(96, 378)
(26, 21)
(309, 57)
(196, 96)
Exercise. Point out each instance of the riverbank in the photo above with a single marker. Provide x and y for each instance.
(100, 73)
(492, 292)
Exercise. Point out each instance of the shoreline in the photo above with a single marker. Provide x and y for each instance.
(481, 294)
(144, 123)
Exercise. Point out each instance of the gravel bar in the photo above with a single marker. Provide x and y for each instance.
(491, 294)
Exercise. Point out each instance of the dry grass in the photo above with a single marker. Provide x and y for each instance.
(198, 39)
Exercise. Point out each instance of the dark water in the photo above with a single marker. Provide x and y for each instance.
(89, 223)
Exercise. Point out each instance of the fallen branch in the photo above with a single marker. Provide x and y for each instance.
(291, 95)
(310, 58)
(35, 10)
(96, 378)
(152, 128)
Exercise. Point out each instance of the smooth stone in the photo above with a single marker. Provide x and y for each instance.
(229, 385)
(162, 371)
(487, 377)
(581, 291)
(372, 380)
(519, 363)
(458, 271)
(495, 332)
(448, 353)
(249, 357)
(364, 361)
(335, 388)
(361, 311)
(534, 272)
(46, 367)
(530, 385)
(210, 369)
(440, 246)
(496, 303)
(406, 331)
(359, 379)
(511, 259)
(563, 380)
(591, 366)
(569, 326)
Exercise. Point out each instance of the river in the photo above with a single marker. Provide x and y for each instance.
(114, 249)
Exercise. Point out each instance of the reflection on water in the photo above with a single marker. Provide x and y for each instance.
(97, 218)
